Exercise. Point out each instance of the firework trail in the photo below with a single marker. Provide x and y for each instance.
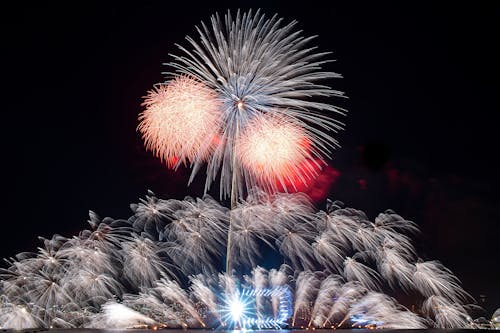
(306, 287)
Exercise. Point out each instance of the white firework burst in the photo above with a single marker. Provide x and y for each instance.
(355, 270)
(119, 316)
(329, 288)
(16, 317)
(395, 269)
(172, 292)
(447, 314)
(144, 262)
(348, 294)
(433, 278)
(197, 234)
(306, 288)
(150, 214)
(383, 311)
(327, 252)
(152, 305)
(201, 290)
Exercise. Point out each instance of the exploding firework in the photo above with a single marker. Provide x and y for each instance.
(160, 268)
(180, 121)
(241, 74)
(275, 150)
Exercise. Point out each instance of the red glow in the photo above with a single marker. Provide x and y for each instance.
(216, 140)
(403, 181)
(317, 188)
(363, 184)
(306, 143)
(274, 149)
(393, 176)
(172, 162)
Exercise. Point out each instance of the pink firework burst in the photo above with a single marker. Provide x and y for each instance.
(180, 121)
(276, 151)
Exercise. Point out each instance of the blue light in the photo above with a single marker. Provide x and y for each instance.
(239, 309)
(360, 320)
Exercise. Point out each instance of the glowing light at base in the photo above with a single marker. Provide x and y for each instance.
(237, 308)
(181, 121)
(361, 322)
(240, 311)
(275, 150)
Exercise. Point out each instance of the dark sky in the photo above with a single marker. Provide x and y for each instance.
(421, 136)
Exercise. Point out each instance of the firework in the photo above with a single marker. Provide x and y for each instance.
(119, 316)
(245, 86)
(117, 274)
(447, 314)
(238, 100)
(432, 278)
(180, 121)
(382, 311)
(274, 151)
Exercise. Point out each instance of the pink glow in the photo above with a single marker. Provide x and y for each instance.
(179, 121)
(275, 150)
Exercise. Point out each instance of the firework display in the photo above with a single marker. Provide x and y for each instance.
(258, 77)
(160, 268)
(238, 102)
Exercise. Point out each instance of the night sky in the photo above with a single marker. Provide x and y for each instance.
(421, 135)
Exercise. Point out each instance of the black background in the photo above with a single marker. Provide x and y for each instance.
(421, 136)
